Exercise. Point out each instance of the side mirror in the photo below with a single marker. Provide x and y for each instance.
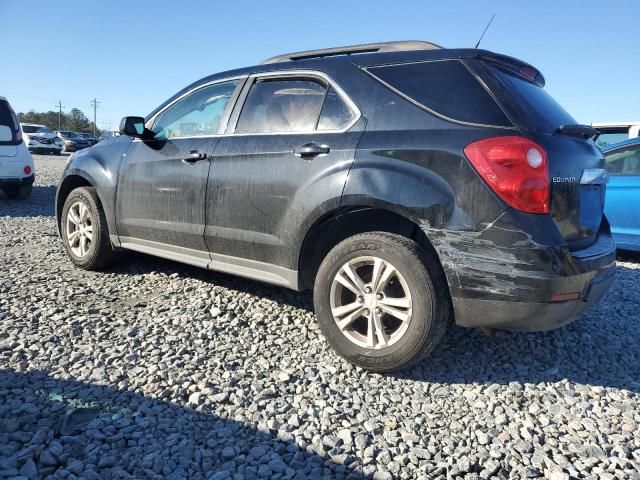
(132, 126)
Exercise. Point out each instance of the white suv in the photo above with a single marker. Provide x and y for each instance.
(17, 171)
(40, 139)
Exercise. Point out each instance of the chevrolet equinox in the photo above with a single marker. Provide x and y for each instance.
(408, 185)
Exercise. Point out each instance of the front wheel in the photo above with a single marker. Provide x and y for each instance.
(381, 301)
(85, 233)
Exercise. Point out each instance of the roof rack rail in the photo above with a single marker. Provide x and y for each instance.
(400, 46)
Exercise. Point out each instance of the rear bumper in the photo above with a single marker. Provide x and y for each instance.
(17, 182)
(525, 285)
(531, 316)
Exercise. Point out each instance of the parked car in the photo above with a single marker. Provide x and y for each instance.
(89, 137)
(17, 171)
(72, 142)
(409, 186)
(622, 207)
(41, 139)
(615, 132)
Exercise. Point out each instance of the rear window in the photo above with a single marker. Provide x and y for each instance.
(546, 112)
(446, 88)
(9, 124)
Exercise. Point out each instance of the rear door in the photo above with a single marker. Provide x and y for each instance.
(623, 194)
(575, 163)
(290, 146)
(163, 180)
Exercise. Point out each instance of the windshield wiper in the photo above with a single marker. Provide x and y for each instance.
(584, 131)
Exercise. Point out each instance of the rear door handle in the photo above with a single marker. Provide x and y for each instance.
(311, 150)
(194, 156)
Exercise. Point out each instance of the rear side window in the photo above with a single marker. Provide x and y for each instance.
(546, 112)
(9, 125)
(446, 88)
(335, 113)
(282, 106)
(623, 160)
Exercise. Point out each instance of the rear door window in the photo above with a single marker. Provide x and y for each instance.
(282, 106)
(446, 88)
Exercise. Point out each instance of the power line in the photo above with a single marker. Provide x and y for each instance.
(94, 104)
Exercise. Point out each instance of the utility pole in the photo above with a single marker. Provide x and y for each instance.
(60, 106)
(94, 104)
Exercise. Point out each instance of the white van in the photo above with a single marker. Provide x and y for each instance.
(17, 171)
(616, 132)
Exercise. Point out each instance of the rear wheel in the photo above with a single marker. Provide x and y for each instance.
(84, 230)
(381, 301)
(18, 192)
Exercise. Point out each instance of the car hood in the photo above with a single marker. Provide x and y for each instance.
(41, 135)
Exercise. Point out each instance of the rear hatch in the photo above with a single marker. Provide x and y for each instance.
(576, 165)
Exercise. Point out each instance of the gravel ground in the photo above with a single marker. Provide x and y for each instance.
(153, 369)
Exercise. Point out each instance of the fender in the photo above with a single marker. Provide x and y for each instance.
(98, 166)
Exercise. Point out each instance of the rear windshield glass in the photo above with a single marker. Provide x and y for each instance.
(8, 121)
(547, 113)
(446, 88)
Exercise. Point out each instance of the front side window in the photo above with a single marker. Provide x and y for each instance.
(623, 160)
(196, 115)
(289, 105)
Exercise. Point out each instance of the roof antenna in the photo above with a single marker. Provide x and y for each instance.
(485, 30)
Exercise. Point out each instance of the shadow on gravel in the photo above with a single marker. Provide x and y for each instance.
(97, 431)
(41, 203)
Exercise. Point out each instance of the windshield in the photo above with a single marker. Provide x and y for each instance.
(69, 134)
(547, 113)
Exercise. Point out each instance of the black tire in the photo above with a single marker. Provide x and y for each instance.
(100, 252)
(18, 192)
(423, 274)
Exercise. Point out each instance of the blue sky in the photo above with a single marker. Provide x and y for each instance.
(132, 55)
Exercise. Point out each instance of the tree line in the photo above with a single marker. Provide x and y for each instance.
(75, 120)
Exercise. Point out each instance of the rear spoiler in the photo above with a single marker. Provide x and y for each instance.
(513, 64)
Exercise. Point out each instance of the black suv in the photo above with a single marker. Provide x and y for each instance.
(408, 185)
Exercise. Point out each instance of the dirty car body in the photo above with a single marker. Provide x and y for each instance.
(269, 205)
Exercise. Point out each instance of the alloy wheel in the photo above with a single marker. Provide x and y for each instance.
(79, 229)
(371, 302)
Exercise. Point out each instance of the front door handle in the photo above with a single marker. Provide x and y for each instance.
(194, 156)
(311, 150)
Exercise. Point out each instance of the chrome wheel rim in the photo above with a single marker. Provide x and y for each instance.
(79, 229)
(371, 302)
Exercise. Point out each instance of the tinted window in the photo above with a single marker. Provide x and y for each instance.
(607, 138)
(198, 114)
(446, 88)
(547, 113)
(282, 106)
(624, 160)
(8, 121)
(335, 113)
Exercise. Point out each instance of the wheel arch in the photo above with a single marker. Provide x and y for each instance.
(69, 184)
(345, 222)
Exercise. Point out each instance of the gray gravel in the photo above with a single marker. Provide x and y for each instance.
(153, 369)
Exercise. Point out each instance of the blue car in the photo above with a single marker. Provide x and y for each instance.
(622, 205)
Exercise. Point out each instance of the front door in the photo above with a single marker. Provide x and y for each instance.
(288, 153)
(163, 180)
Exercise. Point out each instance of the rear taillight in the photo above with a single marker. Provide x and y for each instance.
(27, 170)
(516, 169)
